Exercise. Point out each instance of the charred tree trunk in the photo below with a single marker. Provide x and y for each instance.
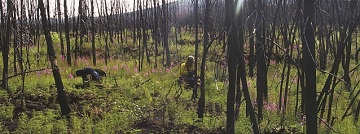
(48, 13)
(250, 25)
(67, 36)
(206, 45)
(5, 48)
(156, 32)
(60, 28)
(230, 22)
(308, 64)
(20, 54)
(93, 33)
(15, 38)
(145, 35)
(261, 77)
(196, 8)
(76, 51)
(61, 98)
(347, 56)
(82, 28)
(230, 115)
(166, 32)
(2, 25)
(107, 34)
(357, 49)
(239, 66)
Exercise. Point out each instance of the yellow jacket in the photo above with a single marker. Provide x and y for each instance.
(184, 69)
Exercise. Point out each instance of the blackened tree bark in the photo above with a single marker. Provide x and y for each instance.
(107, 33)
(322, 45)
(261, 77)
(67, 36)
(357, 49)
(144, 37)
(60, 29)
(48, 13)
(5, 48)
(308, 64)
(144, 33)
(250, 25)
(156, 31)
(166, 32)
(239, 67)
(93, 33)
(37, 37)
(138, 32)
(76, 51)
(83, 19)
(135, 23)
(20, 57)
(230, 23)
(15, 38)
(207, 27)
(2, 24)
(230, 118)
(61, 98)
(274, 28)
(196, 8)
(348, 29)
(347, 56)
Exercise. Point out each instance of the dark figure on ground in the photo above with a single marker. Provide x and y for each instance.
(94, 74)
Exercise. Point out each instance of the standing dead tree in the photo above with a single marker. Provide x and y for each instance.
(165, 30)
(234, 52)
(5, 47)
(93, 33)
(61, 95)
(59, 28)
(308, 65)
(67, 36)
(206, 45)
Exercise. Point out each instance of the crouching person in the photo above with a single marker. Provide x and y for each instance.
(187, 74)
(94, 74)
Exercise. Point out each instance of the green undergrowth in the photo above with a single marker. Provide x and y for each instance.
(132, 99)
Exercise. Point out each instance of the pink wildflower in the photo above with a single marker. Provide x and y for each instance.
(70, 76)
(48, 71)
(105, 68)
(38, 73)
(272, 62)
(168, 70)
(62, 57)
(270, 106)
(126, 68)
(136, 70)
(115, 68)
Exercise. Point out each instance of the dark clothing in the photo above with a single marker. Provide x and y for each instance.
(95, 74)
(191, 79)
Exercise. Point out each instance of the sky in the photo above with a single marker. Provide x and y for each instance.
(128, 4)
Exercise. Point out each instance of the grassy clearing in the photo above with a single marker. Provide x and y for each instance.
(126, 103)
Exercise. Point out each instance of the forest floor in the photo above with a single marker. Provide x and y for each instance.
(144, 99)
